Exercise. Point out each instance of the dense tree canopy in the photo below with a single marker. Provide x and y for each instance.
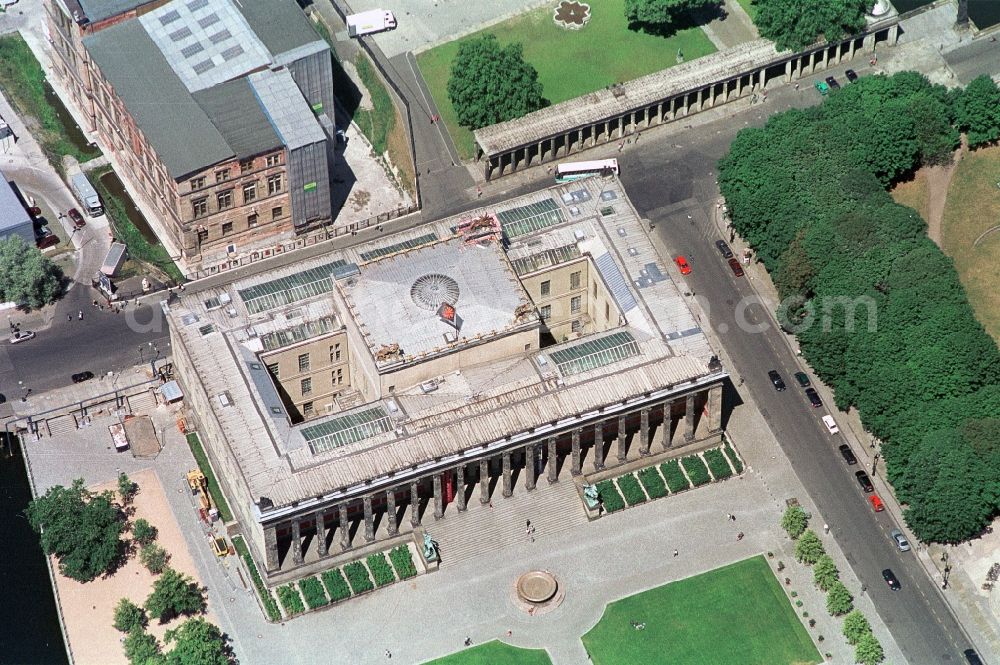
(80, 528)
(662, 16)
(878, 309)
(197, 642)
(978, 111)
(174, 594)
(793, 24)
(26, 275)
(490, 83)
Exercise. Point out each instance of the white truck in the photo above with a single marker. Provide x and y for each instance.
(86, 195)
(366, 23)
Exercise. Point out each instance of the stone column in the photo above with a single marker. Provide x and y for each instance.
(321, 534)
(893, 34)
(715, 409)
(369, 519)
(484, 481)
(599, 445)
(788, 71)
(296, 542)
(438, 498)
(665, 426)
(390, 511)
(345, 530)
(868, 43)
(414, 504)
(622, 452)
(508, 488)
(826, 56)
(739, 85)
(850, 49)
(530, 457)
(553, 461)
(644, 431)
(689, 419)
(271, 562)
(575, 437)
(460, 488)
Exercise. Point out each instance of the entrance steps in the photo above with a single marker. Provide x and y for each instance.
(481, 529)
(61, 425)
(142, 402)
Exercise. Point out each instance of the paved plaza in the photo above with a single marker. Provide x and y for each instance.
(471, 594)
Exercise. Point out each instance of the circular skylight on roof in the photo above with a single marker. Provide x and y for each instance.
(429, 291)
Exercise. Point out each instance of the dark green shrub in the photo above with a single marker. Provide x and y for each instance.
(610, 497)
(312, 591)
(357, 576)
(270, 607)
(143, 532)
(381, 570)
(402, 561)
(291, 600)
(336, 585)
(734, 458)
(672, 473)
(717, 464)
(696, 470)
(652, 482)
(631, 489)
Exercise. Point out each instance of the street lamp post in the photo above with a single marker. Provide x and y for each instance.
(875, 462)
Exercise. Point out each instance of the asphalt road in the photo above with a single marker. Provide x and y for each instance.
(671, 181)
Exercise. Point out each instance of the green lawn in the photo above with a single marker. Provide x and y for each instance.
(748, 7)
(495, 653)
(570, 63)
(735, 615)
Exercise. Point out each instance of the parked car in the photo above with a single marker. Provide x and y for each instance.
(832, 82)
(21, 336)
(831, 425)
(972, 657)
(876, 502)
(851, 75)
(802, 378)
(822, 87)
(814, 397)
(80, 377)
(864, 481)
(776, 380)
(75, 217)
(35, 211)
(901, 542)
(890, 579)
(46, 239)
(847, 454)
(736, 267)
(682, 263)
(724, 249)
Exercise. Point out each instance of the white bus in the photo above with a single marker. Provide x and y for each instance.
(571, 171)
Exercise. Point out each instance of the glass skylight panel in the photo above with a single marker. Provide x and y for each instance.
(595, 353)
(532, 217)
(347, 429)
(290, 289)
(398, 247)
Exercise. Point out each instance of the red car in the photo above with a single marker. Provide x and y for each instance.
(737, 268)
(683, 265)
(876, 502)
(48, 240)
(75, 217)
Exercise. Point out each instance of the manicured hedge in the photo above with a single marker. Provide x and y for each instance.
(672, 473)
(717, 464)
(734, 458)
(381, 570)
(696, 470)
(312, 591)
(358, 577)
(653, 483)
(610, 497)
(270, 607)
(402, 561)
(631, 489)
(291, 600)
(336, 585)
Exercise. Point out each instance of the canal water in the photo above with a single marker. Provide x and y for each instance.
(115, 187)
(29, 631)
(984, 13)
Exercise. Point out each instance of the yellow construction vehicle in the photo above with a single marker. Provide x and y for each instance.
(199, 486)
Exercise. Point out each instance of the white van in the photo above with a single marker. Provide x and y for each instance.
(831, 425)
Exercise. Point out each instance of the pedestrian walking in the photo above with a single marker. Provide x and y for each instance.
(510, 633)
(676, 552)
(95, 302)
(826, 528)
(739, 536)
(468, 641)
(388, 654)
(80, 314)
(69, 317)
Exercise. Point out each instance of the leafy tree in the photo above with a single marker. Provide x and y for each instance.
(490, 83)
(838, 599)
(825, 572)
(26, 275)
(809, 548)
(868, 651)
(661, 16)
(174, 594)
(792, 24)
(794, 521)
(141, 648)
(197, 642)
(154, 558)
(856, 626)
(954, 506)
(978, 111)
(127, 489)
(143, 532)
(129, 616)
(81, 528)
